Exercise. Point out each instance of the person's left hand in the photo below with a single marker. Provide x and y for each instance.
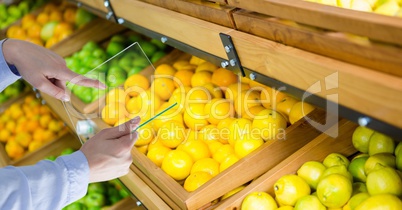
(44, 69)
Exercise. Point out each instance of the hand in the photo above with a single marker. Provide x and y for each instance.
(44, 69)
(109, 151)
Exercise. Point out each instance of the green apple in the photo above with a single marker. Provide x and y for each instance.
(83, 17)
(83, 70)
(124, 193)
(125, 63)
(118, 38)
(51, 158)
(83, 93)
(47, 30)
(398, 147)
(134, 38)
(114, 47)
(334, 159)
(158, 55)
(75, 206)
(158, 43)
(90, 46)
(134, 70)
(95, 200)
(23, 7)
(115, 69)
(99, 53)
(380, 143)
(356, 168)
(95, 62)
(148, 48)
(84, 54)
(67, 151)
(141, 62)
(3, 11)
(116, 79)
(14, 11)
(97, 187)
(97, 93)
(378, 161)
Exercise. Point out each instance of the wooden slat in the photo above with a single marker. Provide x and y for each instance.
(205, 10)
(143, 192)
(385, 58)
(96, 4)
(367, 91)
(125, 204)
(378, 27)
(316, 150)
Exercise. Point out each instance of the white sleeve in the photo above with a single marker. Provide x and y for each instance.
(7, 77)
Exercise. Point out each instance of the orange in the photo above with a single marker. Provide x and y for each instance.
(136, 84)
(244, 147)
(239, 129)
(4, 135)
(183, 65)
(29, 99)
(55, 125)
(196, 60)
(26, 25)
(252, 112)
(145, 135)
(43, 110)
(183, 78)
(208, 165)
(228, 161)
(285, 105)
(42, 18)
(177, 164)
(206, 66)
(38, 135)
(157, 154)
(142, 149)
(55, 15)
(171, 134)
(163, 87)
(245, 100)
(200, 78)
(196, 149)
(165, 70)
(233, 90)
(299, 110)
(61, 28)
(32, 125)
(194, 117)
(48, 135)
(44, 120)
(52, 41)
(117, 95)
(34, 145)
(218, 109)
(10, 126)
(112, 112)
(11, 30)
(69, 15)
(209, 134)
(196, 180)
(49, 7)
(223, 152)
(19, 33)
(214, 90)
(23, 138)
(28, 18)
(224, 130)
(223, 77)
(14, 150)
(65, 34)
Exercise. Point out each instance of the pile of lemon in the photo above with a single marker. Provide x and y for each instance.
(27, 126)
(371, 180)
(218, 118)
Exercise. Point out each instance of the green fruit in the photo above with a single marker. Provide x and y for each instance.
(310, 202)
(47, 30)
(125, 63)
(311, 172)
(14, 11)
(398, 159)
(3, 98)
(90, 46)
(158, 55)
(118, 38)
(398, 148)
(51, 158)
(83, 17)
(141, 62)
(334, 190)
(357, 199)
(97, 187)
(148, 48)
(23, 7)
(359, 187)
(158, 43)
(361, 137)
(356, 168)
(11, 92)
(67, 151)
(379, 161)
(338, 169)
(334, 159)
(99, 53)
(75, 206)
(384, 181)
(95, 200)
(124, 193)
(134, 70)
(134, 38)
(113, 48)
(380, 143)
(384, 201)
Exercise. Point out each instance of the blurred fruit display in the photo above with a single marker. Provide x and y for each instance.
(383, 7)
(368, 180)
(55, 22)
(218, 118)
(27, 125)
(114, 73)
(12, 91)
(11, 13)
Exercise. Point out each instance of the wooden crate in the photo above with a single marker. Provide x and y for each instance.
(341, 46)
(205, 10)
(316, 150)
(375, 26)
(246, 169)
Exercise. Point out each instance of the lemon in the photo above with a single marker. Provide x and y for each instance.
(335, 159)
(398, 155)
(355, 200)
(244, 147)
(334, 190)
(310, 202)
(378, 161)
(311, 172)
(229, 161)
(359, 187)
(207, 165)
(361, 137)
(356, 168)
(196, 180)
(177, 164)
(290, 188)
(339, 169)
(285, 208)
(232, 192)
(258, 200)
(383, 201)
(384, 181)
(380, 143)
(398, 148)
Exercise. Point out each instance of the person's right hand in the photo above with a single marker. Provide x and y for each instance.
(109, 151)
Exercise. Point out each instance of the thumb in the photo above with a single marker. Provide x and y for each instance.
(53, 90)
(124, 129)
(81, 80)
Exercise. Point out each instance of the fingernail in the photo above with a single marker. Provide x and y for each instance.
(102, 86)
(65, 98)
(136, 119)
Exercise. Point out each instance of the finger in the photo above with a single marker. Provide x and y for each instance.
(128, 140)
(53, 90)
(81, 80)
(123, 129)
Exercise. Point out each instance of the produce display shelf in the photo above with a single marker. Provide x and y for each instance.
(316, 150)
